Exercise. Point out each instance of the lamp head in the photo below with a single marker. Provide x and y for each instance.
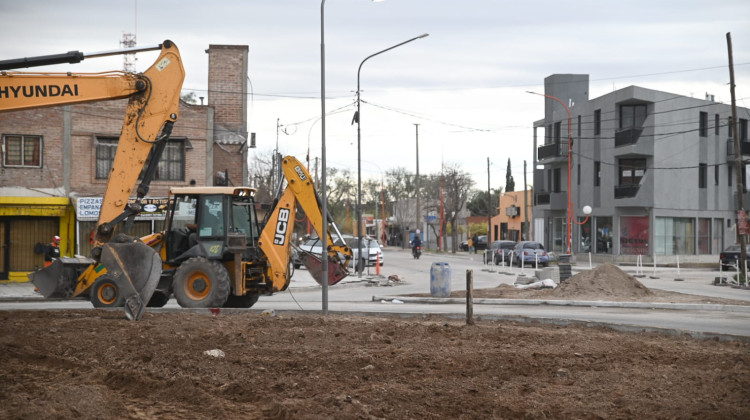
(586, 210)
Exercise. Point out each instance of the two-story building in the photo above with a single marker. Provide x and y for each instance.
(55, 163)
(656, 168)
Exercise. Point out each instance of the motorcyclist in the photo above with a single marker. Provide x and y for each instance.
(416, 243)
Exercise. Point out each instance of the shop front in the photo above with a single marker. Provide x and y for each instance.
(27, 225)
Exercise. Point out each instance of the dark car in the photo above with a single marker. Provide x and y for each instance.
(481, 244)
(500, 251)
(531, 253)
(730, 255)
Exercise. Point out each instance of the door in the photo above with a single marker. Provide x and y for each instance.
(4, 248)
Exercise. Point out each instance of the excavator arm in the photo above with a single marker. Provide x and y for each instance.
(153, 107)
(276, 237)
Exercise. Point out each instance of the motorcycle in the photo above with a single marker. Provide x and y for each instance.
(416, 252)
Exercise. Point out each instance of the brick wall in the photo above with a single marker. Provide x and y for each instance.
(45, 122)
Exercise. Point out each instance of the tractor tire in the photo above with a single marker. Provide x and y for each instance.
(158, 299)
(246, 301)
(106, 293)
(200, 283)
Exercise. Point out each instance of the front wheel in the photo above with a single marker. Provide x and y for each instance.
(200, 283)
(245, 301)
(106, 293)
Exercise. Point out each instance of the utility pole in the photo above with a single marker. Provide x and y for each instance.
(742, 228)
(489, 207)
(525, 206)
(417, 183)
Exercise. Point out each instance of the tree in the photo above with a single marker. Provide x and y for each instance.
(478, 206)
(456, 187)
(189, 98)
(510, 184)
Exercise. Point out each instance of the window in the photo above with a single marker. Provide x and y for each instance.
(597, 122)
(556, 180)
(716, 124)
(631, 171)
(702, 175)
(703, 124)
(579, 126)
(558, 130)
(632, 116)
(597, 173)
(171, 166)
(729, 175)
(743, 129)
(22, 151)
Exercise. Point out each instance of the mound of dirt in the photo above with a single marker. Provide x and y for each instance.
(604, 282)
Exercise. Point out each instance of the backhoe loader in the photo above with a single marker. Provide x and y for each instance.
(214, 250)
(153, 107)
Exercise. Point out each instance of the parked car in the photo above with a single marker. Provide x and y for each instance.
(481, 244)
(500, 251)
(370, 247)
(531, 252)
(464, 246)
(728, 257)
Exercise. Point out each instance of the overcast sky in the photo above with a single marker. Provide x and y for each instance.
(465, 84)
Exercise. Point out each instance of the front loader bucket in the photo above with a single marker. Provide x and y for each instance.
(58, 280)
(315, 266)
(136, 269)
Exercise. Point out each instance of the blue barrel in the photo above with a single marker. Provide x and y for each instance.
(440, 279)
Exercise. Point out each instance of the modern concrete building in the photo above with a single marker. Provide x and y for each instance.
(657, 168)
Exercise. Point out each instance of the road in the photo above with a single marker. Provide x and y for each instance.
(374, 294)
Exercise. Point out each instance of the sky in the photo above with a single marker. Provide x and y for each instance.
(465, 85)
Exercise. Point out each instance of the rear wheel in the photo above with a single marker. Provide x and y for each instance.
(200, 283)
(158, 299)
(245, 301)
(106, 293)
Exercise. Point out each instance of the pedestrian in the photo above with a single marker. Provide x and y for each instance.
(471, 245)
(475, 242)
(53, 251)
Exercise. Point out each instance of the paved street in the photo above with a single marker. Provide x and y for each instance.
(374, 294)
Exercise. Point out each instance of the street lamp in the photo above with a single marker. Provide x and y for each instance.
(357, 117)
(323, 235)
(569, 218)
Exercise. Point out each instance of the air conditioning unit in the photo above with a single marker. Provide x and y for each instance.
(512, 211)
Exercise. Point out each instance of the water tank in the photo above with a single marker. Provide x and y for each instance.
(440, 279)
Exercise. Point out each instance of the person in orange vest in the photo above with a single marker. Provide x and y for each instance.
(53, 251)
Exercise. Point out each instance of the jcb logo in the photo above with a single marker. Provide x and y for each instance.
(281, 227)
(300, 172)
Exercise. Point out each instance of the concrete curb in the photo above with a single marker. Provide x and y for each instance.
(583, 303)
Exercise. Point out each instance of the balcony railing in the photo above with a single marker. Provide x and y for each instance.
(627, 136)
(552, 150)
(542, 198)
(626, 191)
(744, 148)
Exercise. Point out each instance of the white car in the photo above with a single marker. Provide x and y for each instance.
(370, 246)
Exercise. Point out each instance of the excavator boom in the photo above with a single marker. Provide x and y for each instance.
(153, 107)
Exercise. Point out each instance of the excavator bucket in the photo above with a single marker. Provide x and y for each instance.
(136, 269)
(58, 280)
(314, 265)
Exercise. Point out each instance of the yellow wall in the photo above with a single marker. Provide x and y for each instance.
(513, 198)
(58, 207)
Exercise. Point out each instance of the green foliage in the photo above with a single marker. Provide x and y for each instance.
(510, 184)
(478, 206)
(477, 228)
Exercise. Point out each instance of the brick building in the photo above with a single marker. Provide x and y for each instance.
(55, 162)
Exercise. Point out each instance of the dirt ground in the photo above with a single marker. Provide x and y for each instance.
(94, 364)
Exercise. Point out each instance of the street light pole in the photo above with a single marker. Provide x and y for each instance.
(359, 148)
(570, 150)
(323, 235)
(416, 181)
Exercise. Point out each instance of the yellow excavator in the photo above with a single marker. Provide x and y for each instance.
(214, 251)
